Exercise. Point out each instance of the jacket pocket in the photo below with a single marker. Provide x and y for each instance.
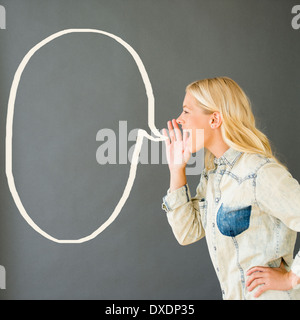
(203, 211)
(233, 222)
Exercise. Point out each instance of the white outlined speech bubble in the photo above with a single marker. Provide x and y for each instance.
(135, 157)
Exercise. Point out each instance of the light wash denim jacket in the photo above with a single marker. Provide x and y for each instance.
(248, 209)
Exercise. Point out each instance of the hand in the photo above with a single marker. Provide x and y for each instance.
(269, 279)
(178, 150)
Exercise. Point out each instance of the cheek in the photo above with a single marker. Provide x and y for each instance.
(197, 139)
(193, 123)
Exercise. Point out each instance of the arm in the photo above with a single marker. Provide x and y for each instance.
(182, 211)
(278, 194)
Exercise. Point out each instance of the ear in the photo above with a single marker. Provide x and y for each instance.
(216, 120)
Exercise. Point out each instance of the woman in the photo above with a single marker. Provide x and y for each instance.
(247, 204)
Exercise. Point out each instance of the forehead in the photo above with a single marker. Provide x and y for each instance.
(189, 101)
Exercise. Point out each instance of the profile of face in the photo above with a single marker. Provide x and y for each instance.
(193, 118)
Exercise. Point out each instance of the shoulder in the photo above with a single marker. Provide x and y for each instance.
(250, 163)
(256, 164)
(267, 172)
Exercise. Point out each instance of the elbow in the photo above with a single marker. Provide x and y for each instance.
(185, 240)
(189, 236)
(183, 243)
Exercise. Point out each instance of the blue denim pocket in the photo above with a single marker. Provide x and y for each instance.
(233, 222)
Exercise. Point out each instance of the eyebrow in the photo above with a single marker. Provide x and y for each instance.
(186, 107)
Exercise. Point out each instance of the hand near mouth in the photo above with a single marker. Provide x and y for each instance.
(177, 147)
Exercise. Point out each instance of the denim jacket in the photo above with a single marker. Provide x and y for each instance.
(248, 210)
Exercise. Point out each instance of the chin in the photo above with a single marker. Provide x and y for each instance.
(196, 149)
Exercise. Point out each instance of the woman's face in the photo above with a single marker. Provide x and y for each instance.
(193, 118)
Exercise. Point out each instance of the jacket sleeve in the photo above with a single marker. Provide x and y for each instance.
(183, 213)
(278, 194)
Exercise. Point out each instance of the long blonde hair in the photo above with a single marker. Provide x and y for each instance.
(238, 128)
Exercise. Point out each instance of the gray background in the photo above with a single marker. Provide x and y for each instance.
(81, 83)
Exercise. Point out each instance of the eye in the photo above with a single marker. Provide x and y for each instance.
(185, 112)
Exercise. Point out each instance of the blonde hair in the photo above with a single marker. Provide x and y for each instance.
(238, 128)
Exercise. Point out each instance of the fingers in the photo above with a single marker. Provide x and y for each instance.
(255, 273)
(255, 269)
(257, 279)
(171, 131)
(175, 133)
(261, 290)
(255, 283)
(260, 285)
(177, 130)
(253, 276)
(267, 278)
(167, 141)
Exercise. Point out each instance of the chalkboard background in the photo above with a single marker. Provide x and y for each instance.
(81, 83)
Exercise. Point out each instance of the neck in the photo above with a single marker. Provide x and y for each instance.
(218, 147)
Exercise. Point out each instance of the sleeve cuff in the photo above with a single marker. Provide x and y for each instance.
(176, 198)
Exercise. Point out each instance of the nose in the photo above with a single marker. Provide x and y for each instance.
(179, 120)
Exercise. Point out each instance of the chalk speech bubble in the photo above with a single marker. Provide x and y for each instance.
(141, 133)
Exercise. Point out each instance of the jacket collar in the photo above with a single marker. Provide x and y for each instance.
(229, 157)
